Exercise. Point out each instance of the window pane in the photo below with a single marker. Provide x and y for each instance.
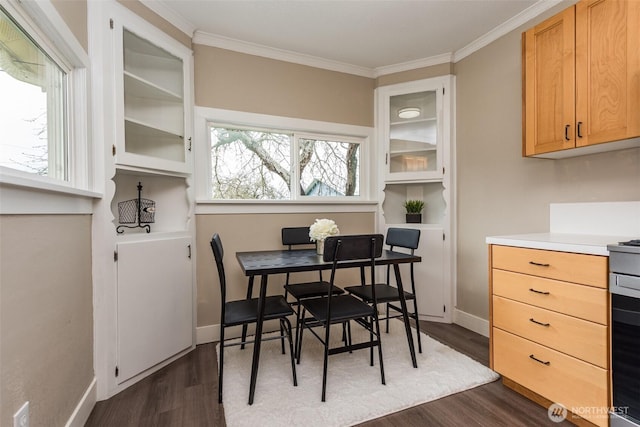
(33, 136)
(248, 164)
(329, 168)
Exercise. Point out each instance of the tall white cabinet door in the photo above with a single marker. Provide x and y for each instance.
(154, 313)
(429, 274)
(430, 283)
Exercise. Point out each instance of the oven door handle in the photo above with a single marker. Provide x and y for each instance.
(617, 280)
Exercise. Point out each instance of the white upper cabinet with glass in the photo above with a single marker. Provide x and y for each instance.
(154, 111)
(411, 129)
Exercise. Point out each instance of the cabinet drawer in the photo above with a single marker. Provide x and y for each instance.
(555, 376)
(576, 337)
(577, 268)
(581, 301)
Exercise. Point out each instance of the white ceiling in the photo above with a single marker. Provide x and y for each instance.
(368, 36)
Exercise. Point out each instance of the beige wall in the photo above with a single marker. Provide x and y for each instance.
(46, 315)
(499, 192)
(237, 81)
(74, 13)
(248, 232)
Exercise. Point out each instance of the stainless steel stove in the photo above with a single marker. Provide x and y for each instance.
(624, 285)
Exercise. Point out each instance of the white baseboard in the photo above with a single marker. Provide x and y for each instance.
(207, 334)
(471, 322)
(85, 406)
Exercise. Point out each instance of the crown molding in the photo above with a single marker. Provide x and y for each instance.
(222, 42)
(412, 65)
(170, 15)
(214, 40)
(505, 28)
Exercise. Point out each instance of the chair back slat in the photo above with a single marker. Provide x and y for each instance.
(218, 254)
(292, 236)
(403, 237)
(352, 247)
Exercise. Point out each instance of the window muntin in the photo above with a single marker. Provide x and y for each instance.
(33, 106)
(251, 164)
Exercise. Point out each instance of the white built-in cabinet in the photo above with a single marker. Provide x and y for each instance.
(416, 163)
(144, 285)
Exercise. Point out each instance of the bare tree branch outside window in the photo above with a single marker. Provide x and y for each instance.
(250, 164)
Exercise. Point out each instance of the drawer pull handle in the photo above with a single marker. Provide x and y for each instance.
(546, 325)
(539, 292)
(538, 264)
(531, 356)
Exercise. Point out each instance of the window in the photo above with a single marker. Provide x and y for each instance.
(254, 164)
(45, 142)
(33, 106)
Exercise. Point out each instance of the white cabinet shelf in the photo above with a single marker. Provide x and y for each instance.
(138, 86)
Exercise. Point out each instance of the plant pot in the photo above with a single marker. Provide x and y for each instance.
(414, 218)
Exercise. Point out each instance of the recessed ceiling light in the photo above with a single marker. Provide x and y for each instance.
(409, 112)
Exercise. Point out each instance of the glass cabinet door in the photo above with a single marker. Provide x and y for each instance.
(413, 134)
(413, 127)
(152, 82)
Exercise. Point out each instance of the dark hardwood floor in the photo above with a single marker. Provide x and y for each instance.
(184, 394)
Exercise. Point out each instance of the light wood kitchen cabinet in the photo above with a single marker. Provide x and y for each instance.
(581, 78)
(550, 326)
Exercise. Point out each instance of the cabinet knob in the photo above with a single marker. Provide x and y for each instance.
(579, 129)
(566, 132)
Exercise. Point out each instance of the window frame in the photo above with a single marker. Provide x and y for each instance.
(41, 21)
(205, 117)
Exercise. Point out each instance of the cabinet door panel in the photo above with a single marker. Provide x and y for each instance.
(429, 274)
(549, 91)
(563, 379)
(155, 305)
(607, 70)
(576, 337)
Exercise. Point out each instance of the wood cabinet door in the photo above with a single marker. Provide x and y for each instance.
(549, 84)
(607, 70)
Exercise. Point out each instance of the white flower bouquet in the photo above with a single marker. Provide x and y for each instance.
(323, 228)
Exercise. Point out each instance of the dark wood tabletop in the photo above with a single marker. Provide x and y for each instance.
(256, 263)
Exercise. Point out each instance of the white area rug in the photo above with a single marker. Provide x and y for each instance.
(354, 391)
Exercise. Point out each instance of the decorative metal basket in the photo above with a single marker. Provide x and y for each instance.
(136, 211)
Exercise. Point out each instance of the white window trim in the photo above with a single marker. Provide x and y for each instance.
(43, 22)
(365, 135)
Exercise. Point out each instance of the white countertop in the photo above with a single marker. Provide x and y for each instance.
(577, 243)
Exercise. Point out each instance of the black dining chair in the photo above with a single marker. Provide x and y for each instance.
(296, 237)
(406, 238)
(244, 312)
(342, 309)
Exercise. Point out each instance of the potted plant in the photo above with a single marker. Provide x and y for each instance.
(414, 211)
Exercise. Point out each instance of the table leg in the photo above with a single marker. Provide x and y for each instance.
(258, 338)
(249, 295)
(405, 316)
